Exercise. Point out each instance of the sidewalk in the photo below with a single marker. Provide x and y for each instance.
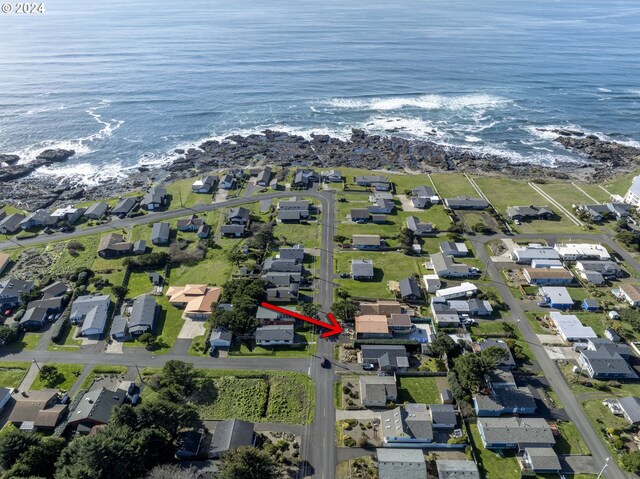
(31, 376)
(359, 414)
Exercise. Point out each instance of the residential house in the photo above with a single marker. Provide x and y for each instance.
(471, 307)
(283, 294)
(514, 433)
(593, 277)
(506, 400)
(220, 338)
(410, 426)
(541, 460)
(196, 299)
(464, 290)
(382, 206)
(39, 312)
(156, 279)
(139, 247)
(386, 357)
(155, 199)
(505, 363)
(423, 196)
(189, 444)
(360, 215)
(377, 391)
(5, 259)
(419, 228)
(38, 219)
(296, 252)
(533, 252)
(627, 292)
(282, 278)
(457, 469)
(113, 245)
(366, 242)
(232, 231)
(590, 305)
(55, 289)
(11, 223)
(521, 213)
(68, 214)
(444, 315)
(604, 359)
(305, 178)
(275, 335)
(10, 291)
(379, 183)
(124, 207)
(569, 327)
(5, 393)
(372, 326)
(294, 209)
(97, 211)
(332, 176)
(229, 435)
(119, 329)
(546, 263)
(239, 215)
(160, 234)
(191, 224)
(465, 203)
(633, 193)
(431, 282)
(282, 265)
(144, 315)
(269, 316)
(445, 267)
(205, 184)
(610, 334)
(404, 463)
(548, 276)
(442, 416)
(203, 231)
(362, 269)
(410, 290)
(454, 249)
(264, 176)
(91, 313)
(630, 409)
(36, 410)
(582, 251)
(228, 182)
(386, 308)
(556, 297)
(608, 269)
(94, 409)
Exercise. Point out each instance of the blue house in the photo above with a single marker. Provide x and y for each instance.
(590, 304)
(515, 433)
(556, 297)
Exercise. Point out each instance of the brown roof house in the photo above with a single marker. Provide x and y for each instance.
(37, 410)
(372, 326)
(114, 245)
(195, 298)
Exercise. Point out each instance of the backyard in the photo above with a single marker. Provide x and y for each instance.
(418, 390)
(66, 376)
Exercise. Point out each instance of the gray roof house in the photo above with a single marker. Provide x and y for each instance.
(380, 183)
(606, 359)
(457, 469)
(220, 338)
(514, 433)
(277, 278)
(296, 252)
(533, 212)
(445, 267)
(154, 199)
(419, 228)
(92, 313)
(423, 196)
(608, 269)
(283, 293)
(408, 425)
(443, 416)
(401, 463)
(239, 215)
(382, 205)
(10, 290)
(229, 435)
(97, 210)
(275, 335)
(541, 460)
(95, 408)
(139, 247)
(119, 330)
(160, 233)
(454, 249)
(282, 265)
(386, 357)
(192, 223)
(204, 184)
(143, 315)
(38, 219)
(376, 391)
(466, 203)
(362, 269)
(11, 223)
(235, 231)
(409, 289)
(124, 206)
(264, 176)
(55, 289)
(630, 409)
(509, 362)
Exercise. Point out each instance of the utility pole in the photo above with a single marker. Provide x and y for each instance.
(139, 375)
(37, 365)
(606, 464)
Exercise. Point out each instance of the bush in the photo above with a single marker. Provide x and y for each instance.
(346, 389)
(349, 442)
(59, 329)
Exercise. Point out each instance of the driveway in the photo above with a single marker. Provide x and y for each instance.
(191, 329)
(360, 415)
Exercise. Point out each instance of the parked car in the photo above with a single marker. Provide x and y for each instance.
(543, 304)
(345, 275)
(324, 362)
(368, 366)
(213, 352)
(469, 322)
(135, 399)
(516, 222)
(131, 389)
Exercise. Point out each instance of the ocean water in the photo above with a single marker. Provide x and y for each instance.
(124, 83)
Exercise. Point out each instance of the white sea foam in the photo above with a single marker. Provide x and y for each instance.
(44, 109)
(604, 90)
(425, 102)
(410, 126)
(546, 132)
(85, 174)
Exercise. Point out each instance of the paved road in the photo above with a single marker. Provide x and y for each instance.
(552, 373)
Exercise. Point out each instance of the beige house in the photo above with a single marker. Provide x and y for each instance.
(196, 299)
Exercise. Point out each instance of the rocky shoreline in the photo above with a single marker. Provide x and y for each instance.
(19, 185)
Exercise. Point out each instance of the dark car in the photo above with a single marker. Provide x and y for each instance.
(213, 352)
(368, 366)
(345, 275)
(324, 362)
(135, 399)
(131, 389)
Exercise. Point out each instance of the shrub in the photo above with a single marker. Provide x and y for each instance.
(346, 389)
(58, 330)
(349, 442)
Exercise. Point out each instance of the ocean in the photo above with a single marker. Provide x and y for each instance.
(125, 83)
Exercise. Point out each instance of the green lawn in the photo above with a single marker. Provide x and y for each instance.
(566, 194)
(67, 376)
(25, 342)
(418, 390)
(308, 234)
(491, 465)
(595, 192)
(620, 184)
(453, 184)
(69, 343)
(258, 396)
(388, 266)
(64, 262)
(536, 325)
(570, 441)
(304, 337)
(139, 284)
(183, 196)
(214, 269)
(12, 373)
(102, 371)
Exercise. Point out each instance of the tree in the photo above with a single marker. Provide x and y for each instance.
(481, 228)
(340, 239)
(472, 368)
(441, 345)
(630, 461)
(39, 459)
(119, 291)
(248, 463)
(344, 310)
(13, 444)
(147, 339)
(49, 374)
(179, 376)
(406, 240)
(172, 471)
(342, 293)
(236, 256)
(7, 335)
(310, 309)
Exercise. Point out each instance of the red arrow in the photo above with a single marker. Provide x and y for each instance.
(333, 328)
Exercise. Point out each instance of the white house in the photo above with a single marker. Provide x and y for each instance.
(431, 282)
(570, 327)
(578, 251)
(465, 290)
(633, 194)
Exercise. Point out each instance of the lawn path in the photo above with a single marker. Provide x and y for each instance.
(571, 218)
(31, 376)
(83, 375)
(586, 194)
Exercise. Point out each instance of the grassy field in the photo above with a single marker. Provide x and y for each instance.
(102, 371)
(566, 194)
(67, 375)
(12, 373)
(309, 235)
(570, 441)
(64, 262)
(595, 192)
(453, 184)
(418, 390)
(620, 184)
(214, 269)
(260, 396)
(388, 266)
(491, 465)
(139, 284)
(183, 196)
